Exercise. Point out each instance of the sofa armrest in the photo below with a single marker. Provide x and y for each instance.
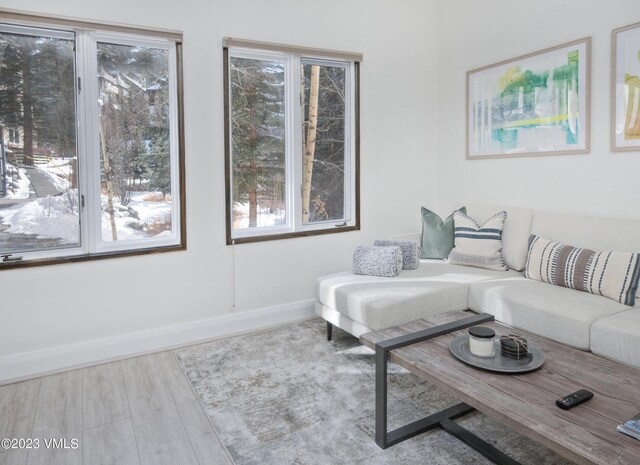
(413, 236)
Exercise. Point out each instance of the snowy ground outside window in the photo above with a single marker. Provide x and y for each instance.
(148, 214)
(18, 185)
(265, 217)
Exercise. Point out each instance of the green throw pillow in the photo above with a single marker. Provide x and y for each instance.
(437, 235)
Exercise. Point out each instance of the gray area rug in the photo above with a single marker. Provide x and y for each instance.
(287, 396)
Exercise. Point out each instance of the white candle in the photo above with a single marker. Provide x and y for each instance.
(481, 341)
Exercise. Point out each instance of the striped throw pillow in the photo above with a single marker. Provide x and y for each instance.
(610, 274)
(476, 245)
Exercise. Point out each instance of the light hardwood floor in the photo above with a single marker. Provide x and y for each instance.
(140, 411)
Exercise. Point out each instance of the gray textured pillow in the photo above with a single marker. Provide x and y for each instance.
(437, 235)
(377, 261)
(410, 252)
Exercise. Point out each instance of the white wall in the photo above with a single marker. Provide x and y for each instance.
(44, 307)
(474, 34)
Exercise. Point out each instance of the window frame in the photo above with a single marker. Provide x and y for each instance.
(349, 144)
(289, 136)
(87, 36)
(93, 165)
(294, 57)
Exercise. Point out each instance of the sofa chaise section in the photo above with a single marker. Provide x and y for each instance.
(359, 304)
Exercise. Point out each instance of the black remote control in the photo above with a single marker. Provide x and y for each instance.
(574, 399)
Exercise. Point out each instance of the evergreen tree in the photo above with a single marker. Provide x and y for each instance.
(11, 71)
(54, 96)
(157, 160)
(257, 114)
(158, 165)
(37, 92)
(132, 122)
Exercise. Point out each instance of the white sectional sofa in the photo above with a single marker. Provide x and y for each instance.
(360, 304)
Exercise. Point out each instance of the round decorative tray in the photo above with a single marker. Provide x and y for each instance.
(459, 347)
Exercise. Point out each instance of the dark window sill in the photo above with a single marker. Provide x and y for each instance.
(276, 237)
(89, 257)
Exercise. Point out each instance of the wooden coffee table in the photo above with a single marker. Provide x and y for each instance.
(525, 402)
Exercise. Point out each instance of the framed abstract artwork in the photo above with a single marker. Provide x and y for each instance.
(536, 104)
(625, 88)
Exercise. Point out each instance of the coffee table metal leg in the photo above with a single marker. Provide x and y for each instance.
(381, 398)
(473, 441)
(442, 419)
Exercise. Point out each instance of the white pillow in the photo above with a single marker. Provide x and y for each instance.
(516, 232)
(479, 246)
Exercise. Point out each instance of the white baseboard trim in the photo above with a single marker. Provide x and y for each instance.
(27, 365)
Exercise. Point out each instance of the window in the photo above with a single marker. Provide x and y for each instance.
(97, 169)
(291, 141)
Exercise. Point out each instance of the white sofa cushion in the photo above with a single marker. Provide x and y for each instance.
(515, 235)
(379, 303)
(336, 318)
(412, 236)
(618, 337)
(558, 313)
(589, 232)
